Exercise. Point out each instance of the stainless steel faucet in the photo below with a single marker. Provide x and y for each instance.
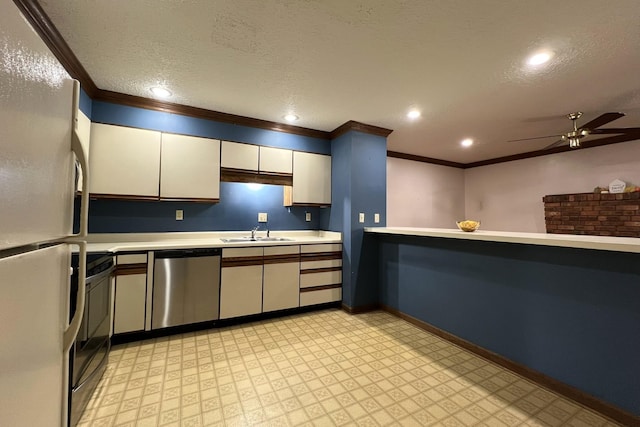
(253, 232)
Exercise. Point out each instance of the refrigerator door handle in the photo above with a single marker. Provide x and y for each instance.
(81, 155)
(74, 325)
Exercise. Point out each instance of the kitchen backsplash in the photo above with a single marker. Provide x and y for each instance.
(238, 210)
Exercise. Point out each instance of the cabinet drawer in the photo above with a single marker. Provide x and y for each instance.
(241, 252)
(324, 247)
(131, 259)
(321, 296)
(312, 265)
(320, 279)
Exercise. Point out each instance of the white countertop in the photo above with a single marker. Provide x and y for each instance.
(129, 242)
(604, 243)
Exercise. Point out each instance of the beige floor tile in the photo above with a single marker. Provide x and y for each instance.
(322, 368)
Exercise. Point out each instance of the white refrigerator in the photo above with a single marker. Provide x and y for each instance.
(38, 150)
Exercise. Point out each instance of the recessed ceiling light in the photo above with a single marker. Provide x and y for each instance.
(468, 142)
(291, 117)
(413, 114)
(160, 92)
(539, 58)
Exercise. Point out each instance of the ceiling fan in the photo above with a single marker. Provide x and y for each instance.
(574, 136)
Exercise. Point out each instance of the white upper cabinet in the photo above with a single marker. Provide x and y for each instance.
(276, 160)
(190, 167)
(124, 161)
(239, 156)
(311, 179)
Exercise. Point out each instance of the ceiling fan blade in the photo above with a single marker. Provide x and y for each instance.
(601, 120)
(536, 137)
(612, 139)
(555, 144)
(614, 131)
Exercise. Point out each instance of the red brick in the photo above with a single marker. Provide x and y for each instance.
(628, 207)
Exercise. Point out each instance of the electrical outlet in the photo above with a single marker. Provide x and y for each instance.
(361, 217)
(376, 218)
(262, 217)
(307, 216)
(179, 214)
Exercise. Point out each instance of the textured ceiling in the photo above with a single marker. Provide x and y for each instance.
(461, 62)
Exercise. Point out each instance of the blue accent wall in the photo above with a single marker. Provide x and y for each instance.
(571, 314)
(358, 184)
(238, 211)
(85, 103)
(239, 206)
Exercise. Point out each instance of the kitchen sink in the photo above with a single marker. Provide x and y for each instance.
(256, 239)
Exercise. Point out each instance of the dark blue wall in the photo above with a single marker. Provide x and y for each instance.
(238, 210)
(571, 314)
(358, 184)
(239, 206)
(85, 103)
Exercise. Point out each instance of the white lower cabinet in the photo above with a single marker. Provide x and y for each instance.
(281, 278)
(320, 274)
(130, 302)
(130, 293)
(241, 282)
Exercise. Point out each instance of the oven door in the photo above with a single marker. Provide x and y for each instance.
(92, 342)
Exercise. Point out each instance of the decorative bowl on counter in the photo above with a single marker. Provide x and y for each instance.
(468, 225)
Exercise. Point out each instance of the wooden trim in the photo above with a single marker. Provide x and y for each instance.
(321, 288)
(422, 159)
(241, 261)
(123, 197)
(188, 199)
(54, 41)
(315, 205)
(320, 256)
(281, 259)
(541, 379)
(360, 309)
(201, 113)
(352, 125)
(127, 269)
(321, 270)
(239, 175)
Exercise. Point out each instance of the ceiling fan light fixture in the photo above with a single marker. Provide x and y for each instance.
(574, 142)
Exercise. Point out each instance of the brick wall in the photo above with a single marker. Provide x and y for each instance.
(593, 214)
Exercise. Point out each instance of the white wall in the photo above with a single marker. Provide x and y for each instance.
(505, 196)
(423, 195)
(508, 196)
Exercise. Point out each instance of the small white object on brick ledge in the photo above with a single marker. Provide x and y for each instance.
(617, 186)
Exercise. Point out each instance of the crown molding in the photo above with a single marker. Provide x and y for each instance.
(423, 159)
(352, 125)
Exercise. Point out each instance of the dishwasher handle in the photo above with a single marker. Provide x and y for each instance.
(188, 253)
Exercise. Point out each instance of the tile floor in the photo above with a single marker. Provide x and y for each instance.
(323, 368)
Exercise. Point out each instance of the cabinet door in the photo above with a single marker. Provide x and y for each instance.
(276, 160)
(130, 300)
(281, 278)
(240, 291)
(311, 179)
(239, 156)
(189, 167)
(124, 161)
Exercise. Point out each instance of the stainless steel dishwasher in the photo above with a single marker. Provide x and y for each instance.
(186, 287)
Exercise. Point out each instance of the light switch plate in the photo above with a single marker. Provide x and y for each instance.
(376, 218)
(262, 217)
(361, 217)
(307, 216)
(179, 214)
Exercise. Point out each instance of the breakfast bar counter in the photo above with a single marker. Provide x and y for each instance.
(562, 309)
